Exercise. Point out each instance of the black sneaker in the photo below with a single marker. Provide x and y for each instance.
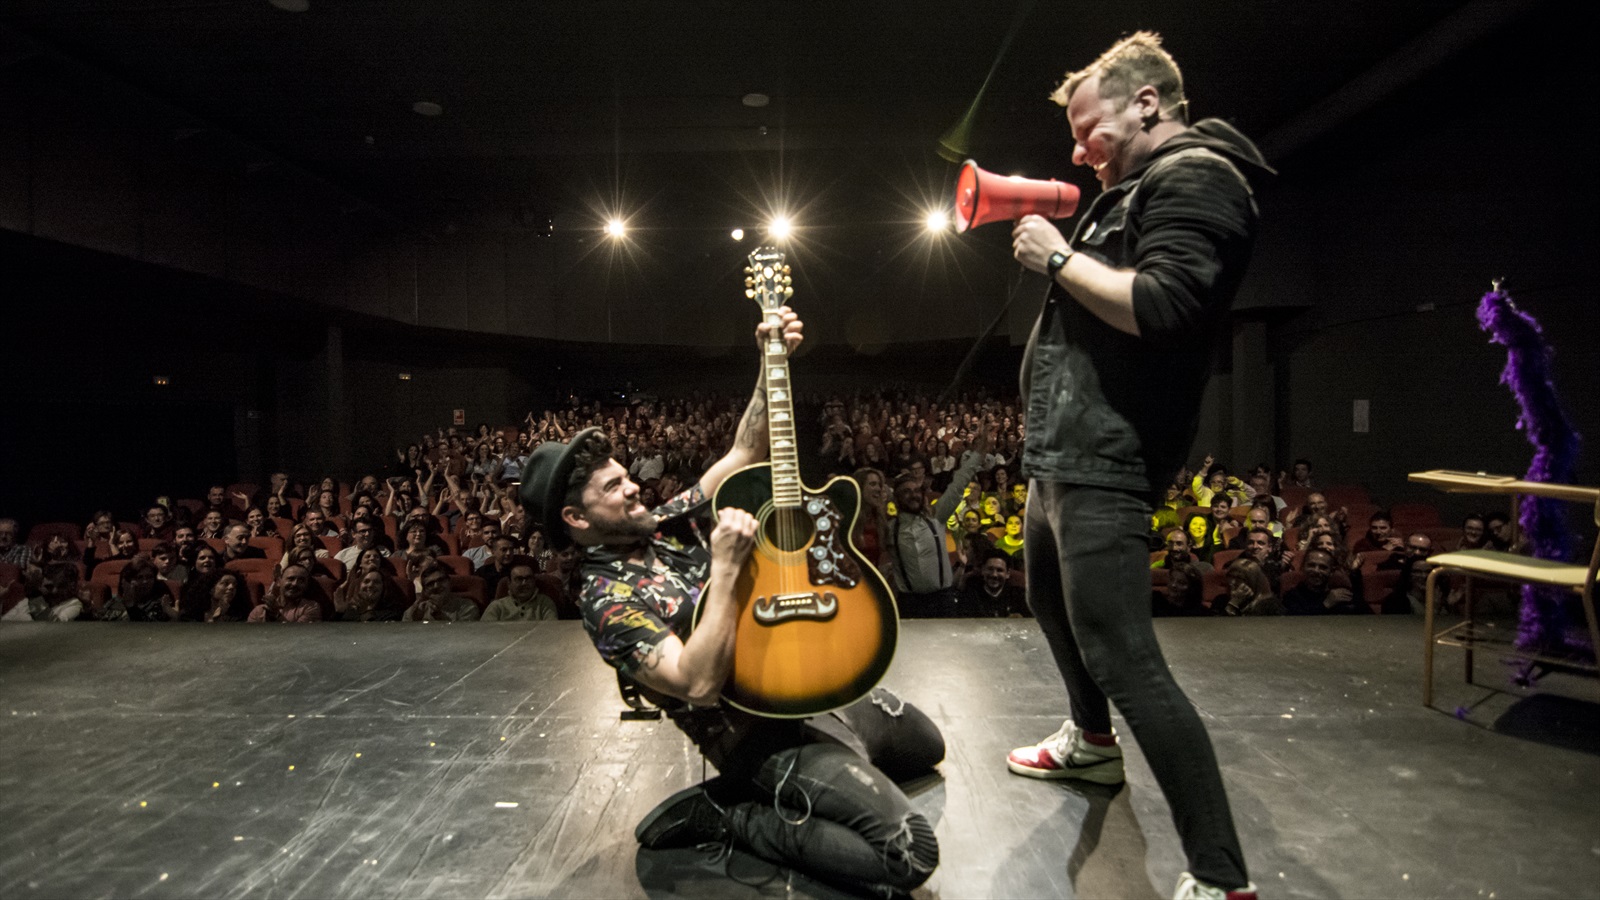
(688, 818)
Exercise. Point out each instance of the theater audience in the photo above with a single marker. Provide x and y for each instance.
(141, 596)
(218, 597)
(435, 602)
(17, 554)
(122, 545)
(1250, 593)
(1410, 593)
(236, 544)
(1269, 556)
(1474, 533)
(1183, 594)
(1010, 543)
(157, 524)
(363, 537)
(1380, 539)
(990, 594)
(287, 599)
(1316, 594)
(257, 524)
(211, 525)
(523, 601)
(169, 567)
(1180, 547)
(1418, 547)
(368, 595)
(57, 599)
(207, 559)
(668, 443)
(873, 517)
(1499, 532)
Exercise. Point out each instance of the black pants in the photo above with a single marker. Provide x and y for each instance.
(828, 806)
(1089, 586)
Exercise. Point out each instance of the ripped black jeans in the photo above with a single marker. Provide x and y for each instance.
(827, 803)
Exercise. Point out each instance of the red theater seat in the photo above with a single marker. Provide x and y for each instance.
(469, 586)
(1221, 558)
(272, 546)
(1412, 516)
(40, 534)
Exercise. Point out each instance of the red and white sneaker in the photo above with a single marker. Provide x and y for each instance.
(1190, 888)
(1066, 754)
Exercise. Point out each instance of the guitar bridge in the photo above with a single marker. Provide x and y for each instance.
(779, 608)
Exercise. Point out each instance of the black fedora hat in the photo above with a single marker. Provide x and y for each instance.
(544, 485)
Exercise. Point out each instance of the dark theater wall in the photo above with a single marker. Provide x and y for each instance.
(1391, 231)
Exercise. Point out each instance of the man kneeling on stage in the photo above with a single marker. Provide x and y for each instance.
(817, 795)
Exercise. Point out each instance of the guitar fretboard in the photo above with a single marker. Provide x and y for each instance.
(769, 284)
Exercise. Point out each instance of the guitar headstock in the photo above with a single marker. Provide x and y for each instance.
(767, 279)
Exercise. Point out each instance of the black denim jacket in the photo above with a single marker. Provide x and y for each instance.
(1109, 409)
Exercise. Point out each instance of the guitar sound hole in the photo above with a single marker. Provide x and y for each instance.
(788, 529)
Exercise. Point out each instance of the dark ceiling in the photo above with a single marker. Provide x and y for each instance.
(554, 108)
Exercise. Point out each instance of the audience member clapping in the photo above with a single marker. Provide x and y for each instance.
(435, 602)
(368, 595)
(58, 598)
(141, 596)
(288, 600)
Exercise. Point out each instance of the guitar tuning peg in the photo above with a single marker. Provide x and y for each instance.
(785, 270)
(750, 294)
(749, 282)
(788, 280)
(788, 292)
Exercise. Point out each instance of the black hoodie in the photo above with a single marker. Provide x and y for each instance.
(1109, 409)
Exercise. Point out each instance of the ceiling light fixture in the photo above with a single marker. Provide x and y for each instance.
(737, 234)
(780, 227)
(616, 228)
(938, 221)
(427, 108)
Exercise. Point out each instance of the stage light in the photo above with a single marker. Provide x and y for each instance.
(938, 221)
(780, 227)
(737, 234)
(616, 228)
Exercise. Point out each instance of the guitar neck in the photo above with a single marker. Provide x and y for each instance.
(780, 418)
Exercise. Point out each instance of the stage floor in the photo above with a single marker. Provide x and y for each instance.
(489, 761)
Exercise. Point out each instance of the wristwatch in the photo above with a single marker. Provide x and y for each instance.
(1056, 261)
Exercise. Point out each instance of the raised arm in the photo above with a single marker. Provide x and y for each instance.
(750, 439)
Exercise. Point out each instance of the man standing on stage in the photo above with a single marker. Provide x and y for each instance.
(1112, 379)
(817, 795)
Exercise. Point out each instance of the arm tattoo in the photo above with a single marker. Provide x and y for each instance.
(754, 421)
(652, 659)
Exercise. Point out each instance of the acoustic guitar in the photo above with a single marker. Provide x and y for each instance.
(817, 623)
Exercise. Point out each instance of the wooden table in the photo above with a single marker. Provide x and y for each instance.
(1501, 566)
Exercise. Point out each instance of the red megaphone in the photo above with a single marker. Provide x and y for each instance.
(984, 197)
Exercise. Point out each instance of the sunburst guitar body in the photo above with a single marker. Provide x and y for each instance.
(817, 623)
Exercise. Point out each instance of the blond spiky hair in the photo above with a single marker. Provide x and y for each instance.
(1130, 64)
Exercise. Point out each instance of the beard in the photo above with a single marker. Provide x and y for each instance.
(624, 529)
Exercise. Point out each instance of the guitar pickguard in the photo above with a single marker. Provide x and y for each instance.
(826, 560)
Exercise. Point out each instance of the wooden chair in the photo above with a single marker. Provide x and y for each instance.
(1497, 565)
